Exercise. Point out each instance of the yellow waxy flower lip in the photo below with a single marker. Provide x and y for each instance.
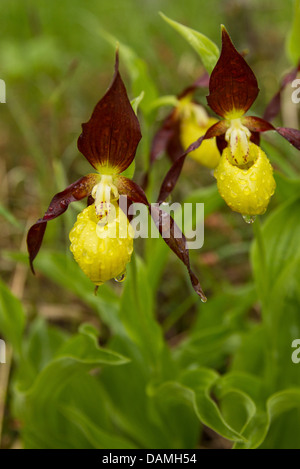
(102, 250)
(246, 189)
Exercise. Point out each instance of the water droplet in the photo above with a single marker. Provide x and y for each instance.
(203, 299)
(120, 278)
(249, 218)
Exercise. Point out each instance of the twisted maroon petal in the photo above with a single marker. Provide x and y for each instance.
(173, 174)
(165, 224)
(58, 205)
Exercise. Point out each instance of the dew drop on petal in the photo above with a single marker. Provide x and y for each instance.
(249, 218)
(120, 278)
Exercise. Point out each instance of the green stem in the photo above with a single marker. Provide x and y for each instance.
(262, 252)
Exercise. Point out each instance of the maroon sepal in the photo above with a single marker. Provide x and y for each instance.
(256, 124)
(132, 190)
(291, 135)
(273, 108)
(59, 204)
(112, 134)
(232, 86)
(176, 240)
(168, 229)
(173, 174)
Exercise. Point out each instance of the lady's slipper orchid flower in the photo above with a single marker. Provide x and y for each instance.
(185, 124)
(102, 237)
(244, 174)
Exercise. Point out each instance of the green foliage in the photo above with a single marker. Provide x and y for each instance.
(294, 36)
(207, 50)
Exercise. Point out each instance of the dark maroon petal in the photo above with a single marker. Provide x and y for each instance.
(173, 174)
(291, 135)
(112, 134)
(176, 240)
(162, 141)
(256, 124)
(168, 229)
(132, 190)
(273, 108)
(232, 86)
(59, 204)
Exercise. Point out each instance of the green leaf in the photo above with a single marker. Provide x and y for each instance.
(97, 436)
(39, 405)
(198, 385)
(274, 267)
(84, 348)
(12, 318)
(137, 313)
(293, 39)
(206, 49)
(136, 101)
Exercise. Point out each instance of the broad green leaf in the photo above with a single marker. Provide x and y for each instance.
(42, 343)
(172, 406)
(39, 405)
(206, 49)
(208, 348)
(137, 312)
(258, 427)
(12, 318)
(84, 347)
(126, 388)
(277, 257)
(97, 436)
(198, 385)
(293, 40)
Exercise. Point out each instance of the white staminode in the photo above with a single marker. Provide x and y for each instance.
(238, 136)
(103, 193)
